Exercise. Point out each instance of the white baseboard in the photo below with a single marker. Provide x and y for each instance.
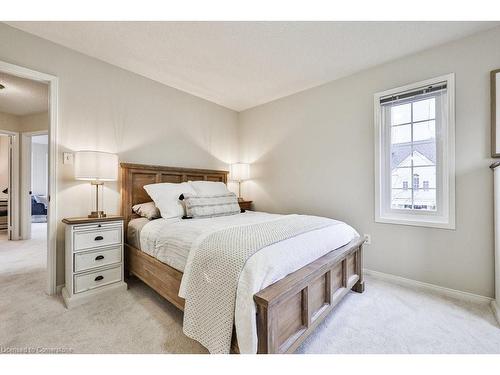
(77, 299)
(465, 296)
(496, 310)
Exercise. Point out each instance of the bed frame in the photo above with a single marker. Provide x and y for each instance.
(288, 310)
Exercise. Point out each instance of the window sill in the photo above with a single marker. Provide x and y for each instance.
(417, 222)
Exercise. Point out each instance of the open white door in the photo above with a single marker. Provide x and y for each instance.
(26, 187)
(9, 191)
(13, 186)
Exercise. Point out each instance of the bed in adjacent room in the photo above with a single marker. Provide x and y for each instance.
(3, 211)
(249, 282)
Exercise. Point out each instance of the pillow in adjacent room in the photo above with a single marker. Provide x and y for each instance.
(209, 188)
(166, 197)
(204, 206)
(147, 210)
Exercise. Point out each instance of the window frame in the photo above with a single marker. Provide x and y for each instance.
(445, 217)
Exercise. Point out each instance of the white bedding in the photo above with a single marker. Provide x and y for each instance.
(170, 241)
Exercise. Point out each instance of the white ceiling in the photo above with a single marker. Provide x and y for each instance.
(22, 96)
(243, 64)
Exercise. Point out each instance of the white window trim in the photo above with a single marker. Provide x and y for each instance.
(422, 219)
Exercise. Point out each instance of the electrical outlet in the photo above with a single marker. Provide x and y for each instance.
(68, 158)
(368, 239)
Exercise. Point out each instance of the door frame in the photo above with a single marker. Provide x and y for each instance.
(25, 201)
(53, 83)
(13, 214)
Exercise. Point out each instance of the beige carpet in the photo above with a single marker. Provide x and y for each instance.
(385, 319)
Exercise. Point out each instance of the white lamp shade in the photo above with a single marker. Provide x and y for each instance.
(240, 172)
(96, 166)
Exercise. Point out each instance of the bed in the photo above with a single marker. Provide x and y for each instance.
(284, 311)
(3, 211)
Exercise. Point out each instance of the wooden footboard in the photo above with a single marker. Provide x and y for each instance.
(290, 309)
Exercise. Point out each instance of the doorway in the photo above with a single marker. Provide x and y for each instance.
(28, 114)
(34, 183)
(24, 107)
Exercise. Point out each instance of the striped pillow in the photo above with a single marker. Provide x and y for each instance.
(203, 206)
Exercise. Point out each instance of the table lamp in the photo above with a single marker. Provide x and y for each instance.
(239, 172)
(96, 167)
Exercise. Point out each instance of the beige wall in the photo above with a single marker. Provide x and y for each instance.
(34, 122)
(106, 108)
(9, 122)
(312, 152)
(27, 123)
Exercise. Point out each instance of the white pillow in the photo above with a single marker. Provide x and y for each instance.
(209, 187)
(166, 197)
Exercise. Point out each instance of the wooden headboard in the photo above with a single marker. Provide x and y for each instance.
(135, 176)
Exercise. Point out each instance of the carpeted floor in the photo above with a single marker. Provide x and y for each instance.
(386, 318)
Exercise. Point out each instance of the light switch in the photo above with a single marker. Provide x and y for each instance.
(68, 158)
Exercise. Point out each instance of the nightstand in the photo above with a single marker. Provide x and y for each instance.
(94, 258)
(245, 205)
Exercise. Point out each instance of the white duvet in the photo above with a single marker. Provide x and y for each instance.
(170, 241)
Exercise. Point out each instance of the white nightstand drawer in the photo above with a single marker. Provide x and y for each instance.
(95, 238)
(97, 279)
(94, 259)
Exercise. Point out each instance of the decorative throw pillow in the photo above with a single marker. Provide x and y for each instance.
(166, 197)
(209, 187)
(204, 206)
(147, 210)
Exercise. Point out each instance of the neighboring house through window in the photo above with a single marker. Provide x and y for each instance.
(415, 154)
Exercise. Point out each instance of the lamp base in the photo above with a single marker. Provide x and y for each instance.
(97, 214)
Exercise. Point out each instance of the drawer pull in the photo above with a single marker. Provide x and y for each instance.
(99, 238)
(99, 257)
(99, 278)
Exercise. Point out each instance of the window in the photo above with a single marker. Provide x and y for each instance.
(416, 182)
(414, 154)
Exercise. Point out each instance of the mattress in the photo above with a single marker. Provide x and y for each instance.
(134, 231)
(170, 240)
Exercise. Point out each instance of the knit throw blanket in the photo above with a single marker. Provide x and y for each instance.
(212, 278)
